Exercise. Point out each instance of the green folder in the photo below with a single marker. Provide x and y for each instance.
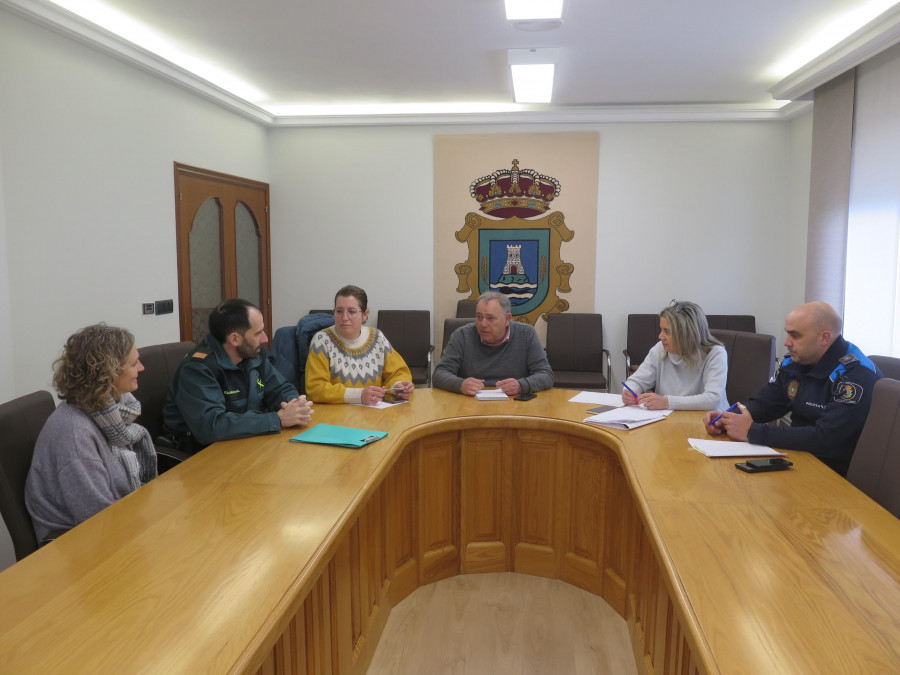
(345, 437)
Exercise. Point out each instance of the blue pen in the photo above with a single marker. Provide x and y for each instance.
(630, 390)
(490, 383)
(731, 408)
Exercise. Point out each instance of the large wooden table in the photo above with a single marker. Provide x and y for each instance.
(270, 556)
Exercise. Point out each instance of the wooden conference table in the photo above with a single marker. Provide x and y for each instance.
(267, 556)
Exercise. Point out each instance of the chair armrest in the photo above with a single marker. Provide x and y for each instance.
(430, 356)
(627, 363)
(51, 536)
(608, 370)
(166, 458)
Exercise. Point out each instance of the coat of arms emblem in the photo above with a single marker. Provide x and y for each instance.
(516, 251)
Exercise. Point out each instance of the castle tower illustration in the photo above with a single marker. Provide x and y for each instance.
(514, 260)
(514, 282)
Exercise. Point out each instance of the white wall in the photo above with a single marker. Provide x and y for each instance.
(689, 211)
(350, 206)
(709, 212)
(88, 191)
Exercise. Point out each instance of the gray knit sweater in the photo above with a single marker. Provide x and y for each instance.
(700, 388)
(73, 473)
(522, 357)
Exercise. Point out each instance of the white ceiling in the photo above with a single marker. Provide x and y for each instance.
(639, 54)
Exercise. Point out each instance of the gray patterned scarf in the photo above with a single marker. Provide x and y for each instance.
(130, 443)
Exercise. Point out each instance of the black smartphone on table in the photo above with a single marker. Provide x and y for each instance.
(524, 397)
(760, 465)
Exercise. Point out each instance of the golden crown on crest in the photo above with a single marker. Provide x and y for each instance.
(514, 192)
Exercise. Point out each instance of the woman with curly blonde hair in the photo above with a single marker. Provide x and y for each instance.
(90, 452)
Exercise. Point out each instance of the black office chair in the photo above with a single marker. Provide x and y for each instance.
(575, 351)
(751, 362)
(465, 309)
(160, 363)
(740, 322)
(875, 466)
(21, 421)
(888, 365)
(409, 332)
(643, 333)
(451, 325)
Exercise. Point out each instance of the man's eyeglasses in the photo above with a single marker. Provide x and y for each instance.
(349, 312)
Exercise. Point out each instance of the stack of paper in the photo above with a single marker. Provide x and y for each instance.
(628, 417)
(491, 395)
(732, 448)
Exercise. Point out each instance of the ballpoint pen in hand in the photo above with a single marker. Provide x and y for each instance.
(731, 408)
(630, 390)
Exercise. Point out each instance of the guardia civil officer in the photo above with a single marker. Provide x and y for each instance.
(227, 388)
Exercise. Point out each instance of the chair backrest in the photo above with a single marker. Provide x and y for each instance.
(465, 308)
(160, 363)
(409, 332)
(575, 341)
(643, 333)
(322, 311)
(21, 420)
(875, 466)
(451, 325)
(740, 322)
(751, 362)
(888, 365)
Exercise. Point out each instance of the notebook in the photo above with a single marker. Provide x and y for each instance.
(345, 437)
(491, 395)
(627, 417)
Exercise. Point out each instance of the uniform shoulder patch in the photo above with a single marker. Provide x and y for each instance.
(847, 359)
(199, 355)
(849, 392)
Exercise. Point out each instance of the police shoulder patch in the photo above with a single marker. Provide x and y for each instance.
(199, 355)
(849, 392)
(847, 359)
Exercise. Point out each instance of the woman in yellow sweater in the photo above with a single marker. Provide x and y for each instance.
(352, 363)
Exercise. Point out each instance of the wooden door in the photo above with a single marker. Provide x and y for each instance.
(222, 226)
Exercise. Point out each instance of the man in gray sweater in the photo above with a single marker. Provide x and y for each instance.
(494, 350)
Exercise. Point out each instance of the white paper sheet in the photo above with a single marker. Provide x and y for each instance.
(597, 398)
(712, 448)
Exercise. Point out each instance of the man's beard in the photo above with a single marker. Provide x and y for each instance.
(245, 351)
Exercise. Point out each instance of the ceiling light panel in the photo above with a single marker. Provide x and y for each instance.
(517, 10)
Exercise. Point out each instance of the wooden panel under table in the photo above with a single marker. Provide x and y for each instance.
(268, 556)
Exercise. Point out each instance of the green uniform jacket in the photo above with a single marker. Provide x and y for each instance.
(212, 399)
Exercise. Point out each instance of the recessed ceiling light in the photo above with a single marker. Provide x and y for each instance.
(532, 74)
(537, 25)
(517, 10)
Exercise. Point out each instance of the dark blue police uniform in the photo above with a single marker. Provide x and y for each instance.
(211, 399)
(828, 401)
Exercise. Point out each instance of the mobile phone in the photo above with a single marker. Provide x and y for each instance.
(759, 465)
(524, 397)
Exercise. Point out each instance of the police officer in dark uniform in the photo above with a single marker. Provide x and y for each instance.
(227, 388)
(825, 383)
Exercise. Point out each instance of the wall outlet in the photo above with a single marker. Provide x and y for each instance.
(147, 308)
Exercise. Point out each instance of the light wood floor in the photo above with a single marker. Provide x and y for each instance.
(503, 623)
